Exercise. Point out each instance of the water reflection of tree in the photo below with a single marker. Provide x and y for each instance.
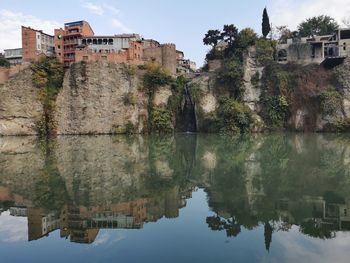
(291, 168)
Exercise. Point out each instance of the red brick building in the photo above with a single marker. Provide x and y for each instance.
(67, 39)
(35, 44)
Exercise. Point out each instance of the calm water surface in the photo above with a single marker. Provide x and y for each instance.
(182, 198)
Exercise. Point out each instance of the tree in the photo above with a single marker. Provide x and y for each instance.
(266, 28)
(4, 62)
(268, 235)
(246, 37)
(317, 26)
(284, 33)
(212, 38)
(229, 34)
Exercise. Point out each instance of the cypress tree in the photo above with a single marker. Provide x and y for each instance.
(266, 28)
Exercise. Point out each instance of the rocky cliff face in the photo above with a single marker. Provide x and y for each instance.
(101, 98)
(20, 105)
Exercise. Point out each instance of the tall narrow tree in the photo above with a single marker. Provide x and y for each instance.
(266, 28)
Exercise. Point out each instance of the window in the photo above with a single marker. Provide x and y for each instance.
(344, 46)
(59, 46)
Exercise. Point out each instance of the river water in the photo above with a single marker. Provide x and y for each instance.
(181, 198)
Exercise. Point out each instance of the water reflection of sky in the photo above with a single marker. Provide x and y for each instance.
(13, 229)
(183, 239)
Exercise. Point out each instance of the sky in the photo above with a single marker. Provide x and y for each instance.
(183, 22)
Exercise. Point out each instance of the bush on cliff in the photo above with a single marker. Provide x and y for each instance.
(230, 75)
(234, 116)
(161, 120)
(155, 77)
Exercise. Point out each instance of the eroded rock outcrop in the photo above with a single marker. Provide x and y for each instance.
(101, 98)
(20, 105)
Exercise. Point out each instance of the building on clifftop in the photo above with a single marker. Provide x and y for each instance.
(328, 50)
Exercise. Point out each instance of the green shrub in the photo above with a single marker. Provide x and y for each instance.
(130, 99)
(234, 116)
(231, 76)
(161, 120)
(331, 102)
(343, 125)
(276, 110)
(4, 62)
(155, 76)
(265, 50)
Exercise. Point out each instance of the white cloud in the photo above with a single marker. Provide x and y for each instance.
(291, 12)
(10, 27)
(93, 8)
(13, 229)
(120, 26)
(111, 8)
(295, 247)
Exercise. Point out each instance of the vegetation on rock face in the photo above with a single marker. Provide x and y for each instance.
(48, 77)
(161, 119)
(331, 101)
(155, 77)
(291, 87)
(234, 116)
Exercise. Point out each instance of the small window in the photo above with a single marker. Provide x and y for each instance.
(344, 46)
(59, 46)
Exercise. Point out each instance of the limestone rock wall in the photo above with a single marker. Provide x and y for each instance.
(20, 105)
(101, 98)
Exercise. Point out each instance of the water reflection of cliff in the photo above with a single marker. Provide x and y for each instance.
(82, 184)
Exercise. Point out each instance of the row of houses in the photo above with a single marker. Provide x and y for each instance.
(76, 41)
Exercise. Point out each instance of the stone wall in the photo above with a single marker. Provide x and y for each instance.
(165, 55)
(6, 73)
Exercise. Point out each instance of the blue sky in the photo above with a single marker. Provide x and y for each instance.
(182, 22)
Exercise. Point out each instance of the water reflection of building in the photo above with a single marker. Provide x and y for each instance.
(41, 223)
(18, 211)
(334, 216)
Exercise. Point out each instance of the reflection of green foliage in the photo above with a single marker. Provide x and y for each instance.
(314, 229)
(51, 189)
